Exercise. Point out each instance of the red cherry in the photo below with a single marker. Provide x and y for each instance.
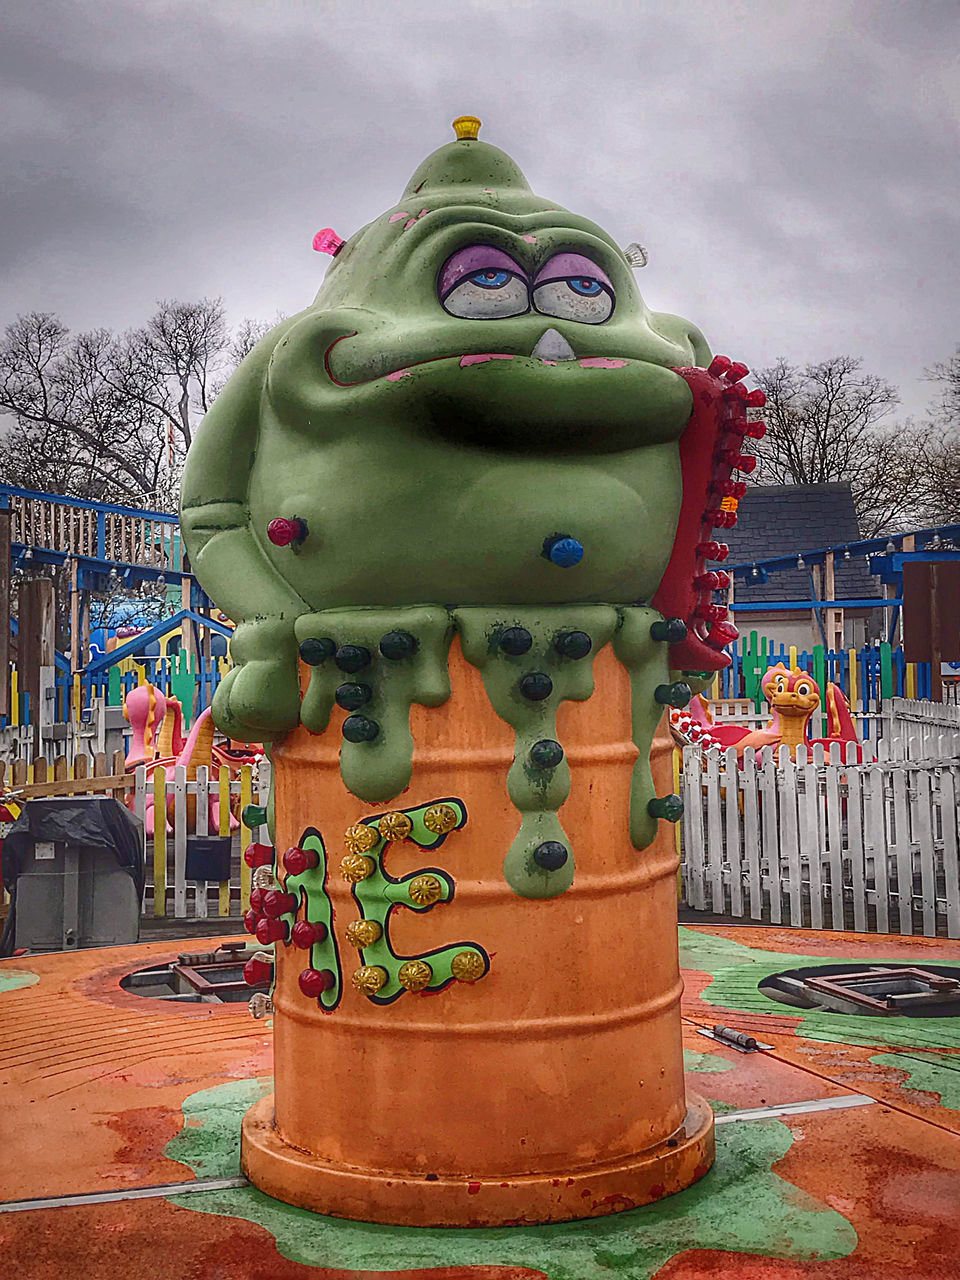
(723, 579)
(257, 972)
(282, 532)
(256, 900)
(306, 933)
(258, 855)
(297, 861)
(315, 981)
(756, 430)
(250, 921)
(737, 371)
(757, 398)
(719, 365)
(707, 581)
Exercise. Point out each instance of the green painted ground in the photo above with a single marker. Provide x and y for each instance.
(929, 1073)
(11, 979)
(741, 1206)
(704, 1062)
(736, 970)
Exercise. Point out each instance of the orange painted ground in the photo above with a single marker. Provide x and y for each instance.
(95, 1082)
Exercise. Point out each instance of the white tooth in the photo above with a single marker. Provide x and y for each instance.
(553, 346)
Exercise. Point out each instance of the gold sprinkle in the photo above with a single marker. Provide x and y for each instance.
(369, 979)
(440, 818)
(363, 933)
(360, 838)
(355, 867)
(395, 826)
(468, 966)
(415, 975)
(425, 890)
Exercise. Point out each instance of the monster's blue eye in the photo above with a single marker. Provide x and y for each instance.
(491, 278)
(571, 286)
(585, 286)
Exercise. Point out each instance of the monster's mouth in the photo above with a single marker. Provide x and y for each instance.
(551, 350)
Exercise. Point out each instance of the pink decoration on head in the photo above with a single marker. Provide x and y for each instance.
(466, 361)
(327, 241)
(395, 217)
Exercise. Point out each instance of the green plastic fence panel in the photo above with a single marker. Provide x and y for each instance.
(183, 684)
(114, 687)
(820, 675)
(886, 671)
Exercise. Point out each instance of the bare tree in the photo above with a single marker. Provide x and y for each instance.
(110, 416)
(942, 498)
(832, 422)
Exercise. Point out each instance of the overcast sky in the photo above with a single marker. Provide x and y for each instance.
(791, 166)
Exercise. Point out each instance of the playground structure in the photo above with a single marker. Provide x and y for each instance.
(157, 743)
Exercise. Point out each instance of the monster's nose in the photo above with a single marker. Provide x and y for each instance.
(553, 346)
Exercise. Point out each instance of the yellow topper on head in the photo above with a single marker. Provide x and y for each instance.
(466, 127)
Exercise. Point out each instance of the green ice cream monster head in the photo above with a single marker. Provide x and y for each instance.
(478, 409)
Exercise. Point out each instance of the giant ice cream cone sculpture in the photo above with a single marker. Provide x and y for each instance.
(450, 505)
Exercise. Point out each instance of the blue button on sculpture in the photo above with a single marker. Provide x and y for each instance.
(565, 552)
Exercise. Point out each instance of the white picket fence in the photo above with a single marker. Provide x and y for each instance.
(168, 892)
(916, 730)
(823, 841)
(820, 841)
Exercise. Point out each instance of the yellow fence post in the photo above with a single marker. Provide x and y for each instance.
(14, 698)
(852, 693)
(159, 842)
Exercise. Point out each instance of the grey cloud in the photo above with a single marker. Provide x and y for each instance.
(792, 166)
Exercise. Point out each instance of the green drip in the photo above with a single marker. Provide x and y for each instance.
(646, 661)
(381, 769)
(537, 793)
(310, 890)
(379, 893)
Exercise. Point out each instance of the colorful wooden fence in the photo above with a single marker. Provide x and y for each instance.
(168, 892)
(869, 677)
(191, 679)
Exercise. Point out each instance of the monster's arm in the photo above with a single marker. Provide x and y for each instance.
(259, 698)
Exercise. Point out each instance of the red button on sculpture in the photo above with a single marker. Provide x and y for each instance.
(282, 532)
(306, 933)
(315, 981)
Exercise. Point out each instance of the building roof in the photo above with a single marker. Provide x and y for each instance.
(787, 519)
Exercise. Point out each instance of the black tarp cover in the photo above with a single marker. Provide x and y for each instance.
(91, 822)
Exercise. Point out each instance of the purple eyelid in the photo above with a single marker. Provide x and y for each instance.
(478, 257)
(566, 265)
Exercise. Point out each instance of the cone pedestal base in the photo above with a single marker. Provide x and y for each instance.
(551, 1088)
(296, 1177)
